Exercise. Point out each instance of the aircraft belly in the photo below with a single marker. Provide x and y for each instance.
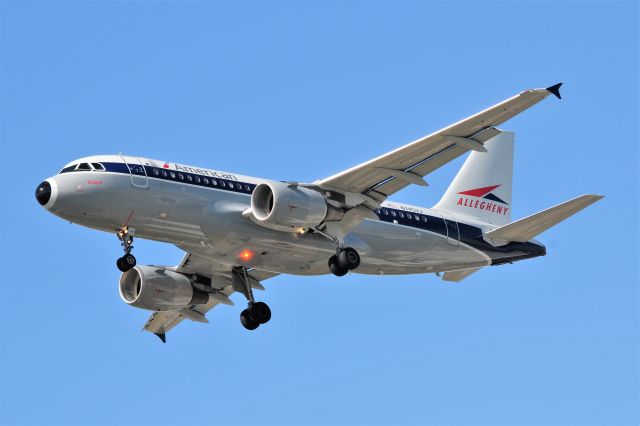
(385, 248)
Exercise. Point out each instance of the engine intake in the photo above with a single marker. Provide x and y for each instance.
(286, 207)
(158, 289)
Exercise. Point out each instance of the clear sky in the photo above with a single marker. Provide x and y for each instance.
(300, 91)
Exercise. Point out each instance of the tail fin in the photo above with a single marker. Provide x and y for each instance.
(482, 188)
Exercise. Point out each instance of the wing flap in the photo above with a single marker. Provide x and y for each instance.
(457, 276)
(525, 229)
(160, 322)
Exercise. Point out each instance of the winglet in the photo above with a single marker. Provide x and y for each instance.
(162, 337)
(555, 89)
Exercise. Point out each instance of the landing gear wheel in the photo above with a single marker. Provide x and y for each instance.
(248, 320)
(126, 262)
(129, 260)
(261, 312)
(335, 267)
(349, 258)
(120, 265)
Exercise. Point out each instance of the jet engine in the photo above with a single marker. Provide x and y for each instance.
(286, 207)
(159, 289)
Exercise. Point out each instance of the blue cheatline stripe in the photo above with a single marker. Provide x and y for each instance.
(182, 177)
(173, 176)
(469, 235)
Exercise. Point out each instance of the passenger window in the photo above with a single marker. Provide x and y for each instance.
(222, 184)
(393, 213)
(173, 175)
(247, 188)
(377, 211)
(189, 178)
(156, 172)
(197, 178)
(424, 218)
(205, 180)
(164, 173)
(401, 215)
(385, 212)
(409, 216)
(230, 185)
(84, 166)
(97, 166)
(180, 176)
(214, 182)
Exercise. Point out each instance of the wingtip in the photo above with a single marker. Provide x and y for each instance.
(555, 90)
(162, 336)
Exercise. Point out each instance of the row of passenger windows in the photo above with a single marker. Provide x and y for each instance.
(202, 180)
(402, 215)
(83, 167)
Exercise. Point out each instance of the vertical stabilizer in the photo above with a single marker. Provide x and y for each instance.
(482, 188)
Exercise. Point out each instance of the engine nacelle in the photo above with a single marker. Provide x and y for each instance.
(287, 207)
(158, 289)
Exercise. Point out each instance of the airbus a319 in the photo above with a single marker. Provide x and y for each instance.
(238, 231)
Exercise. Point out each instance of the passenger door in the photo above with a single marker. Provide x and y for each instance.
(453, 231)
(139, 178)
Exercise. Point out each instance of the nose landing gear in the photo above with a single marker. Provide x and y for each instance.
(128, 261)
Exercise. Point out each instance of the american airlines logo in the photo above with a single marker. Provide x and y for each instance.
(483, 199)
(206, 172)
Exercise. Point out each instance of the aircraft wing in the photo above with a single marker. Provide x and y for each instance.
(160, 322)
(385, 175)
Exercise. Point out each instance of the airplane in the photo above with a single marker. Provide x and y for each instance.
(238, 231)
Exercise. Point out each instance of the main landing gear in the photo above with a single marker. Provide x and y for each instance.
(128, 261)
(345, 260)
(257, 312)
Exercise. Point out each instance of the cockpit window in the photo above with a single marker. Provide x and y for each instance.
(97, 166)
(84, 166)
(68, 169)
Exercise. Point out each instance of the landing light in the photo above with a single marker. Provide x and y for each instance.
(246, 255)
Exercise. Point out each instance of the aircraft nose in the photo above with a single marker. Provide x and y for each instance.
(43, 193)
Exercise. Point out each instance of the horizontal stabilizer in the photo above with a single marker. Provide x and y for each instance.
(525, 229)
(457, 276)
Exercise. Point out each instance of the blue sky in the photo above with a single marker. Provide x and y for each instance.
(299, 91)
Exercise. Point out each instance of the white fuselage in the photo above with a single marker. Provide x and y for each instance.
(201, 210)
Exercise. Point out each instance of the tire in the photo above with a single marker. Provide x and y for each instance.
(349, 258)
(335, 267)
(261, 312)
(248, 321)
(129, 260)
(121, 266)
